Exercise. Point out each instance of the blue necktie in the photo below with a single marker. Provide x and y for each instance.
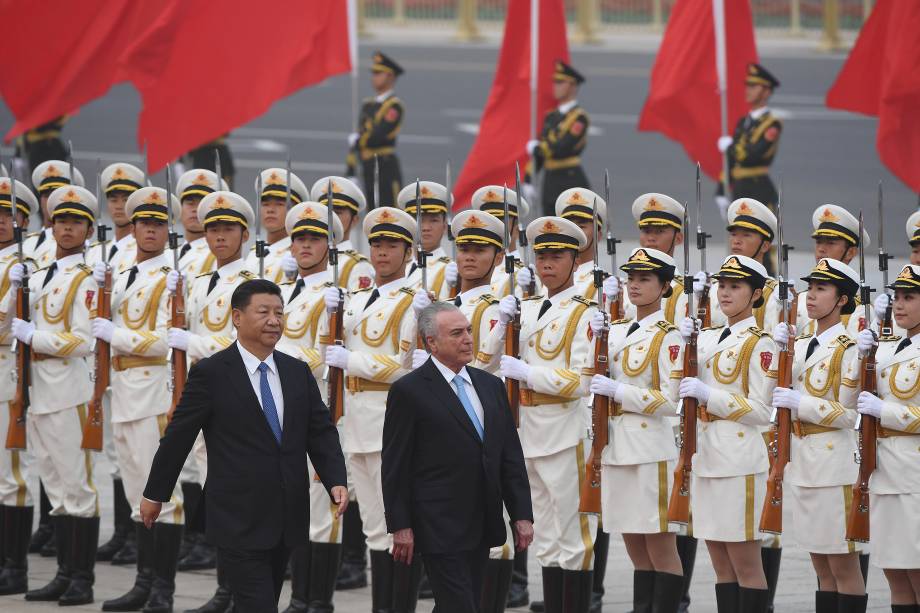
(467, 405)
(268, 402)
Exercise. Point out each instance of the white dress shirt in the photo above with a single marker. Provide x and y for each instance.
(251, 363)
(449, 375)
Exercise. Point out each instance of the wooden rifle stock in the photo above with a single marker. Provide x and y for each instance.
(616, 307)
(679, 503)
(590, 496)
(92, 427)
(19, 405)
(336, 377)
(703, 312)
(513, 348)
(179, 357)
(858, 516)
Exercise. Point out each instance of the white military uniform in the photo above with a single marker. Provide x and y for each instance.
(435, 267)
(274, 253)
(355, 270)
(853, 323)
(47, 177)
(674, 307)
(41, 247)
(122, 253)
(197, 259)
(500, 283)
(481, 309)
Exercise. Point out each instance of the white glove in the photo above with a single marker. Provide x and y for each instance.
(869, 404)
(99, 270)
(23, 330)
(722, 203)
(724, 143)
(177, 338)
(881, 305)
(450, 274)
(178, 169)
(420, 301)
(172, 280)
(529, 192)
(352, 139)
(700, 282)
(787, 398)
(865, 341)
(687, 326)
(611, 287)
(419, 357)
(513, 368)
(782, 332)
(289, 264)
(598, 322)
(532, 144)
(507, 308)
(605, 386)
(17, 273)
(691, 387)
(333, 298)
(103, 329)
(337, 356)
(524, 278)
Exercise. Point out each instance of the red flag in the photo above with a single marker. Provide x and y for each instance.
(683, 100)
(204, 68)
(61, 54)
(882, 77)
(505, 126)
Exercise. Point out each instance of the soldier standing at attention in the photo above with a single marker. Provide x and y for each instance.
(355, 270)
(379, 122)
(47, 177)
(432, 228)
(278, 258)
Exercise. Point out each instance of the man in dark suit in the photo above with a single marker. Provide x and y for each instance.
(262, 415)
(451, 458)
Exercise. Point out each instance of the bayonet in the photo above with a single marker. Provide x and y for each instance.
(101, 228)
(450, 212)
(217, 171)
(522, 235)
(376, 181)
(506, 242)
(701, 236)
(171, 220)
(865, 292)
(73, 176)
(420, 254)
(611, 241)
(333, 248)
(260, 244)
(885, 326)
(287, 192)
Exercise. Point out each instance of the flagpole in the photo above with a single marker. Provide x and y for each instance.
(718, 17)
(534, 91)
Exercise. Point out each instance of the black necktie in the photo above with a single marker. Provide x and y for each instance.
(633, 327)
(132, 275)
(297, 287)
(41, 239)
(902, 345)
(457, 301)
(185, 249)
(412, 269)
(112, 250)
(374, 295)
(51, 270)
(725, 334)
(812, 345)
(544, 307)
(213, 283)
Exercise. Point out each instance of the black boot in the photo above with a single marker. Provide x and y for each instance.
(202, 556)
(82, 562)
(221, 601)
(63, 536)
(771, 557)
(324, 568)
(406, 578)
(135, 598)
(191, 495)
(518, 595)
(825, 602)
(300, 578)
(727, 597)
(16, 527)
(753, 601)
(168, 538)
(3, 509)
(122, 524)
(848, 603)
(353, 572)
(552, 589)
(643, 590)
(381, 580)
(686, 551)
(127, 555)
(601, 550)
(667, 593)
(576, 590)
(44, 534)
(496, 579)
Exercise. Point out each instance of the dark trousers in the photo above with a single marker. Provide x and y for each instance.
(254, 576)
(456, 579)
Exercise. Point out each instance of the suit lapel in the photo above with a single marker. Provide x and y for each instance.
(489, 410)
(288, 392)
(449, 398)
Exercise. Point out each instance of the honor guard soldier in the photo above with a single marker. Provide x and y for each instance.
(894, 488)
(433, 226)
(822, 399)
(577, 205)
(62, 297)
(639, 457)
(379, 328)
(734, 390)
(558, 150)
(140, 373)
(47, 177)
(355, 270)
(40, 144)
(554, 372)
(279, 264)
(314, 567)
(205, 156)
(16, 510)
(194, 256)
(379, 122)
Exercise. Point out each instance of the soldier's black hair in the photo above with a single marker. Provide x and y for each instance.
(243, 294)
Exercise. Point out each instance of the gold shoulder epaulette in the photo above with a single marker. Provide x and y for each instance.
(247, 275)
(360, 289)
(535, 297)
(803, 336)
(845, 341)
(771, 282)
(584, 301)
(204, 274)
(354, 254)
(286, 283)
(719, 327)
(166, 269)
(619, 322)
(757, 331)
(84, 267)
(666, 326)
(444, 259)
(328, 284)
(889, 337)
(407, 290)
(678, 282)
(489, 298)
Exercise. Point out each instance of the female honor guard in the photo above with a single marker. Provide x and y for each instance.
(433, 220)
(140, 374)
(822, 399)
(355, 270)
(638, 459)
(734, 390)
(895, 484)
(273, 209)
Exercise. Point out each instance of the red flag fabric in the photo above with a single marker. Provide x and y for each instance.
(51, 69)
(204, 68)
(882, 77)
(683, 100)
(505, 125)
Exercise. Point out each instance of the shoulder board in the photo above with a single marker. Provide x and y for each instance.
(203, 274)
(354, 254)
(286, 283)
(620, 322)
(247, 275)
(666, 326)
(407, 290)
(757, 331)
(166, 269)
(770, 283)
(444, 259)
(889, 337)
(31, 234)
(845, 341)
(531, 298)
(84, 268)
(858, 301)
(489, 298)
(584, 301)
(678, 281)
(359, 290)
(713, 327)
(124, 271)
(327, 284)
(802, 337)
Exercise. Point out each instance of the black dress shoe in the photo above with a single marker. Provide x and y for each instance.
(518, 596)
(221, 602)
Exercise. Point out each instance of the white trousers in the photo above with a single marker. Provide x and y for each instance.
(365, 469)
(14, 468)
(136, 443)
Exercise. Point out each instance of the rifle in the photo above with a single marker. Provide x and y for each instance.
(421, 256)
(513, 329)
(703, 312)
(771, 519)
(19, 405)
(590, 495)
(867, 425)
(679, 503)
(288, 201)
(616, 306)
(336, 376)
(92, 428)
(531, 288)
(260, 243)
(179, 359)
(886, 325)
(455, 288)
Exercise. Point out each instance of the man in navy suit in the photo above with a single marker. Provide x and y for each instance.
(451, 459)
